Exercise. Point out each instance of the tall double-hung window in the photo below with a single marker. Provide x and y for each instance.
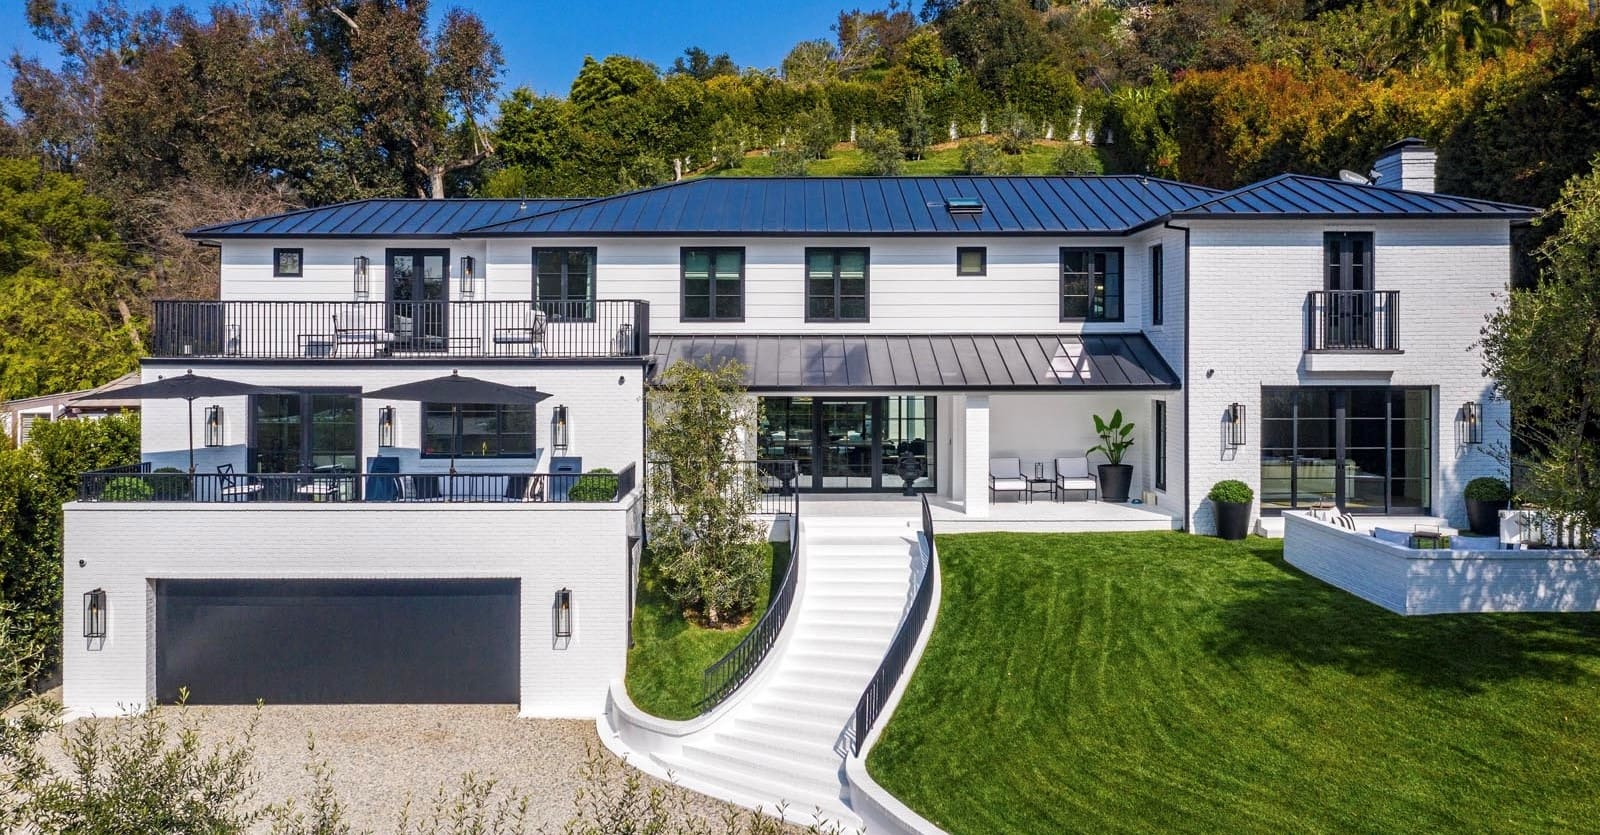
(713, 284)
(836, 284)
(1091, 284)
(564, 282)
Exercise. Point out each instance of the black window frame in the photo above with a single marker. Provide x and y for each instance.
(1158, 289)
(983, 261)
(1121, 284)
(712, 276)
(564, 308)
(866, 281)
(456, 434)
(1158, 419)
(300, 261)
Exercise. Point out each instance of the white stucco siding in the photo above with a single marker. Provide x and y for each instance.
(604, 402)
(544, 546)
(1249, 283)
(328, 267)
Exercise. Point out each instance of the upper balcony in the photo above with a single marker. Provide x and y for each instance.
(278, 330)
(1352, 330)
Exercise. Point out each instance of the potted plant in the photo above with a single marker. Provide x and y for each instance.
(1231, 500)
(1486, 497)
(1115, 438)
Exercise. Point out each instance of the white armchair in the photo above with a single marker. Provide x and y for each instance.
(1073, 476)
(1005, 476)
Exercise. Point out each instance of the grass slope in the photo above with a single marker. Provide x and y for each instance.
(846, 161)
(1164, 682)
(669, 653)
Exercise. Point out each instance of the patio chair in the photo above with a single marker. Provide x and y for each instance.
(235, 488)
(1005, 476)
(1072, 475)
(532, 335)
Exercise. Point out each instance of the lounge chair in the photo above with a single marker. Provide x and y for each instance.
(1005, 476)
(1073, 476)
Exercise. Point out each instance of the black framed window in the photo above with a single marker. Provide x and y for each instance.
(1091, 284)
(563, 284)
(288, 262)
(1158, 290)
(1159, 421)
(1369, 450)
(713, 283)
(836, 284)
(972, 260)
(477, 430)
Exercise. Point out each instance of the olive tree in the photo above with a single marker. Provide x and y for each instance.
(702, 536)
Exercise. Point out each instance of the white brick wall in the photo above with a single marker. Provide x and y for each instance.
(1250, 280)
(544, 546)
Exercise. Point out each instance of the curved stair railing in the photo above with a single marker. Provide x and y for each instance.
(724, 677)
(905, 639)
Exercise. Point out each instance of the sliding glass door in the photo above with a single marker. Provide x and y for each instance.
(849, 444)
(1370, 450)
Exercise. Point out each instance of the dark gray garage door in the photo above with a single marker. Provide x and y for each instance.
(337, 641)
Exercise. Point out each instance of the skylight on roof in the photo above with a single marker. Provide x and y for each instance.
(963, 205)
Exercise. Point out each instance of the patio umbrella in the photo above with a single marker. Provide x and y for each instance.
(456, 390)
(188, 386)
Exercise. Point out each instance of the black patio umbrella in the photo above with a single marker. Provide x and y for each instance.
(187, 386)
(456, 390)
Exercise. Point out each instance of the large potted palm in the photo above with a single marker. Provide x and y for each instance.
(1116, 478)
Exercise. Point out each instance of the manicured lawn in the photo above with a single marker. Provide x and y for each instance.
(847, 161)
(1163, 682)
(669, 653)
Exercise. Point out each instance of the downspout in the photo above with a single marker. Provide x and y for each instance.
(1188, 427)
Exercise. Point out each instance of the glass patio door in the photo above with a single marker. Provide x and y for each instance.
(847, 433)
(418, 292)
(305, 432)
(1369, 450)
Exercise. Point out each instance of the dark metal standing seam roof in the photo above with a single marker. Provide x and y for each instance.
(1298, 194)
(384, 218)
(968, 362)
(867, 206)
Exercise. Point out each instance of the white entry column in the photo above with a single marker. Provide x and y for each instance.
(975, 423)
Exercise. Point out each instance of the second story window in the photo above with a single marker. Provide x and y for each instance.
(564, 282)
(836, 285)
(1091, 284)
(288, 263)
(713, 284)
(1158, 289)
(972, 260)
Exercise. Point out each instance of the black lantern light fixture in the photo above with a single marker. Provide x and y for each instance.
(94, 613)
(1236, 424)
(386, 426)
(1470, 423)
(558, 429)
(214, 426)
(363, 276)
(564, 613)
(469, 266)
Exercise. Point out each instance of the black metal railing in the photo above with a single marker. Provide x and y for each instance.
(142, 485)
(905, 639)
(1353, 320)
(724, 677)
(359, 329)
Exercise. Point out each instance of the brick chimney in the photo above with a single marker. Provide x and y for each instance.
(1406, 165)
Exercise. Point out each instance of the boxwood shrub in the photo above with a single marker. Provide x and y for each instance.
(1488, 489)
(593, 487)
(1231, 492)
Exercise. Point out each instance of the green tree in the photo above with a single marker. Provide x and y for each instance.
(991, 37)
(701, 534)
(810, 62)
(1076, 158)
(881, 147)
(980, 156)
(1015, 133)
(788, 160)
(917, 132)
(818, 131)
(729, 141)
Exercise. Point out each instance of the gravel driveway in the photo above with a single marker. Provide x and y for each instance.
(380, 755)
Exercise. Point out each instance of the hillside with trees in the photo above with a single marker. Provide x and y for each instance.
(163, 119)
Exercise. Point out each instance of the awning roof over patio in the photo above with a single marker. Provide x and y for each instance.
(964, 362)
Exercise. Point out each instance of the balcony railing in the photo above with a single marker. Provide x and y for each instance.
(343, 330)
(137, 484)
(1353, 320)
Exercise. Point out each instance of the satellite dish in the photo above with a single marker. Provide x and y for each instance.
(1352, 177)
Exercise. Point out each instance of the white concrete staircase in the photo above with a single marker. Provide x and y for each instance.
(784, 741)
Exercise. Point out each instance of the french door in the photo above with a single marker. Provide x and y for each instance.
(308, 431)
(418, 292)
(1350, 316)
(1369, 450)
(849, 444)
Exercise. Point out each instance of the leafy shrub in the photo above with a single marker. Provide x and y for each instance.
(1231, 492)
(1016, 133)
(980, 157)
(170, 484)
(127, 489)
(593, 487)
(881, 147)
(1488, 489)
(788, 161)
(1075, 158)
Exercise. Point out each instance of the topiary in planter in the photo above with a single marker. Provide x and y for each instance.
(170, 484)
(1232, 503)
(127, 489)
(1486, 497)
(594, 487)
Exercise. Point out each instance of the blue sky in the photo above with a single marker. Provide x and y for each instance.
(545, 42)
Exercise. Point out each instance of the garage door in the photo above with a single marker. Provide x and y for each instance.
(337, 641)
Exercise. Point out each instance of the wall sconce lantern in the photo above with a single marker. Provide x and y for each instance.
(1236, 424)
(558, 429)
(564, 613)
(363, 276)
(469, 266)
(94, 613)
(214, 435)
(386, 426)
(1470, 423)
